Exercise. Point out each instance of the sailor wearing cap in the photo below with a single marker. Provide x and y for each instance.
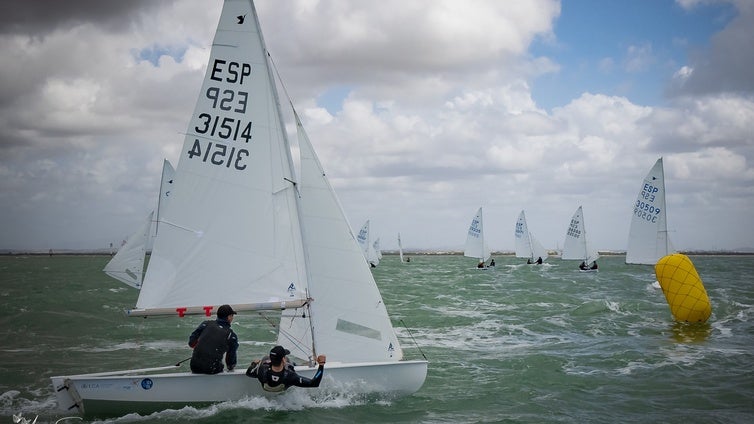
(276, 374)
(213, 339)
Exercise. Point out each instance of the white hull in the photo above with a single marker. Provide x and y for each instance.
(141, 391)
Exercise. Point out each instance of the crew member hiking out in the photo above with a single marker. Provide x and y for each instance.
(276, 374)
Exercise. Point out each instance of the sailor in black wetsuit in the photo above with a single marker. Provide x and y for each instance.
(276, 374)
(213, 339)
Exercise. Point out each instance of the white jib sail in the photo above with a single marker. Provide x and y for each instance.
(577, 246)
(351, 322)
(476, 245)
(127, 265)
(230, 233)
(522, 238)
(648, 235)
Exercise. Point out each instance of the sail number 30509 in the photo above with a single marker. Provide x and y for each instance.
(219, 154)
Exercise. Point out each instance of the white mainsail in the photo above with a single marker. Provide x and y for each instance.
(525, 244)
(127, 265)
(648, 239)
(476, 245)
(232, 218)
(577, 246)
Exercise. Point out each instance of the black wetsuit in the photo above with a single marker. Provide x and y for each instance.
(211, 340)
(277, 381)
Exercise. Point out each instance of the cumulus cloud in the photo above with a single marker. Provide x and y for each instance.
(435, 118)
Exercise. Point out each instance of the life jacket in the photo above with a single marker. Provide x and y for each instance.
(272, 381)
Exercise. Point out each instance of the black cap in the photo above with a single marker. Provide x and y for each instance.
(277, 353)
(224, 311)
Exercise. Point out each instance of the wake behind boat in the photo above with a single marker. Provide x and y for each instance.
(241, 229)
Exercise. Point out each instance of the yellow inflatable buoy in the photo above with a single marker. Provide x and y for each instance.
(683, 288)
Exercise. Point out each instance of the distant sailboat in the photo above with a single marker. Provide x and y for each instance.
(648, 239)
(367, 246)
(127, 265)
(577, 246)
(400, 248)
(476, 245)
(526, 245)
(377, 249)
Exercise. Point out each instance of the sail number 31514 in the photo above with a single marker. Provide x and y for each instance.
(219, 154)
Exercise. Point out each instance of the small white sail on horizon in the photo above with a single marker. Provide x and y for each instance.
(127, 266)
(476, 245)
(577, 245)
(525, 244)
(648, 239)
(400, 248)
(364, 239)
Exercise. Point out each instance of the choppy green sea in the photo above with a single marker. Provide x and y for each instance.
(515, 344)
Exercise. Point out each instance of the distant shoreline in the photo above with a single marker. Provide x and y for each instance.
(384, 252)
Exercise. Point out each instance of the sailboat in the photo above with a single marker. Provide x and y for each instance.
(476, 245)
(577, 246)
(241, 229)
(367, 247)
(526, 245)
(127, 265)
(648, 239)
(400, 249)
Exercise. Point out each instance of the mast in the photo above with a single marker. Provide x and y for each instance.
(292, 180)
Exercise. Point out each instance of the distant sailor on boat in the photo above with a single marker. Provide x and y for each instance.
(584, 267)
(492, 262)
(539, 261)
(276, 374)
(213, 339)
(480, 264)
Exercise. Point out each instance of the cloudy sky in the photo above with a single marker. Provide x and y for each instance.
(421, 112)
